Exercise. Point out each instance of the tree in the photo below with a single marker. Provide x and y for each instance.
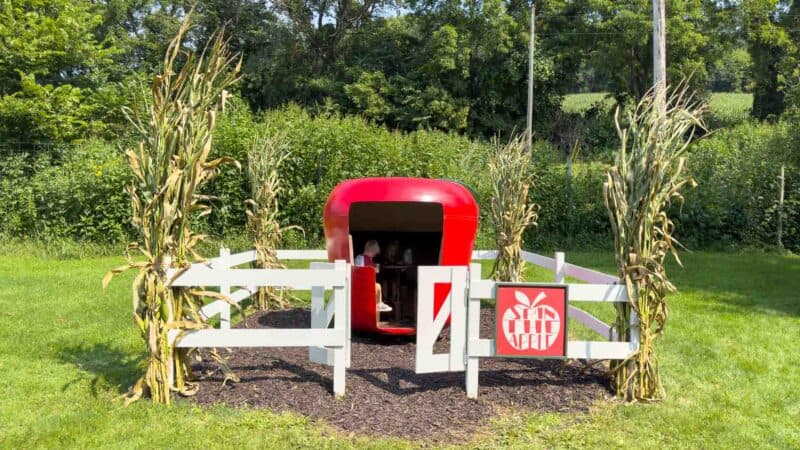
(141, 29)
(39, 113)
(414, 82)
(732, 71)
(622, 44)
(50, 64)
(299, 57)
(460, 66)
(730, 62)
(791, 66)
(769, 45)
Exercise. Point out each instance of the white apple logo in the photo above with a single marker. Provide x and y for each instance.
(543, 323)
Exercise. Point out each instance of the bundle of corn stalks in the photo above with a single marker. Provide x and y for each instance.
(263, 163)
(170, 164)
(511, 210)
(647, 175)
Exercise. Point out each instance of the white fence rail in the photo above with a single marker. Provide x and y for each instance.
(466, 345)
(329, 337)
(225, 261)
(327, 345)
(597, 287)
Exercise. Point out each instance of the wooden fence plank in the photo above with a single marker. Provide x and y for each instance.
(264, 337)
(599, 350)
(597, 293)
(593, 323)
(301, 279)
(539, 260)
(589, 275)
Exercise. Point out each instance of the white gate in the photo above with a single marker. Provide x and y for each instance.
(463, 306)
(327, 345)
(429, 327)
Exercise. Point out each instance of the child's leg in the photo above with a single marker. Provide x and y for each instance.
(379, 305)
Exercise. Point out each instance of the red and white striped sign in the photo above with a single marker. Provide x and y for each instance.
(531, 321)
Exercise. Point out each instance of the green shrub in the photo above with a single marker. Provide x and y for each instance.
(736, 199)
(18, 213)
(324, 151)
(572, 212)
(81, 197)
(735, 203)
(588, 121)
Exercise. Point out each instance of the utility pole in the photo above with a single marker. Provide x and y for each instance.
(529, 134)
(660, 56)
(781, 188)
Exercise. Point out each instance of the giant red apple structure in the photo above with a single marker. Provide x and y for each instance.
(434, 220)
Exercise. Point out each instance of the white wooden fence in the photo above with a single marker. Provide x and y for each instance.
(329, 346)
(463, 307)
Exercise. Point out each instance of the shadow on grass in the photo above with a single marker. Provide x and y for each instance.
(109, 367)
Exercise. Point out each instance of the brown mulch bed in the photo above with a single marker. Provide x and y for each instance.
(385, 397)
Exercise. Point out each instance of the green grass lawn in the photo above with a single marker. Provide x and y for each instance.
(727, 108)
(582, 102)
(730, 365)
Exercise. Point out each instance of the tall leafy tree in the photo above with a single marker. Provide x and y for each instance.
(622, 44)
(462, 65)
(730, 62)
(51, 40)
(141, 29)
(51, 62)
(791, 66)
(769, 44)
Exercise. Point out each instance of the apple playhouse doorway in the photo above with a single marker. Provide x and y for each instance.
(416, 222)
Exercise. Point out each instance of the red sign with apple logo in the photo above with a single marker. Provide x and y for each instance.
(531, 321)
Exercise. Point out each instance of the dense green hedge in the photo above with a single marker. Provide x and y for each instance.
(737, 197)
(572, 213)
(735, 202)
(81, 196)
(326, 150)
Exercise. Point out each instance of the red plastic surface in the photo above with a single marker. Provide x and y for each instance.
(459, 227)
(362, 299)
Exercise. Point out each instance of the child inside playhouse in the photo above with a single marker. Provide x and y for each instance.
(367, 259)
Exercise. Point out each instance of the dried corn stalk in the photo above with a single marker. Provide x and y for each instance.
(263, 164)
(647, 175)
(170, 164)
(511, 209)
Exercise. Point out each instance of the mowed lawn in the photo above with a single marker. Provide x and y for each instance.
(727, 108)
(730, 362)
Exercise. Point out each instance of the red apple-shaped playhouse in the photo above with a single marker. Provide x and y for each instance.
(417, 222)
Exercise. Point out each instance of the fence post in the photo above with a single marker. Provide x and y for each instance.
(320, 319)
(459, 296)
(473, 333)
(340, 324)
(225, 289)
(170, 343)
(348, 315)
(633, 323)
(559, 269)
